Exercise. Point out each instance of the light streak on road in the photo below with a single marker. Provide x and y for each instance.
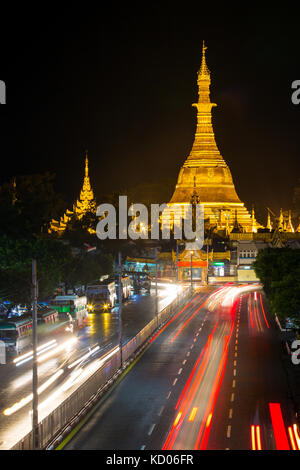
(263, 310)
(19, 361)
(281, 439)
(83, 358)
(174, 318)
(294, 437)
(17, 406)
(77, 376)
(187, 321)
(67, 345)
(297, 437)
(193, 414)
(190, 390)
(255, 437)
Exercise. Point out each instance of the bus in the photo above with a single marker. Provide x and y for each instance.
(73, 305)
(101, 295)
(16, 332)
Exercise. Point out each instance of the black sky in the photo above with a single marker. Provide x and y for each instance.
(120, 80)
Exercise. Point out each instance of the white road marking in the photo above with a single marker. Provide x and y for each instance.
(179, 372)
(151, 430)
(174, 382)
(228, 432)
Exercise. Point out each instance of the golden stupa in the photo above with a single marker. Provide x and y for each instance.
(85, 204)
(206, 172)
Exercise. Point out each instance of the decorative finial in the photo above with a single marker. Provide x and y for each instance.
(203, 69)
(86, 163)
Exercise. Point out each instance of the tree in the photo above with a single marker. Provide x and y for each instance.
(15, 267)
(86, 268)
(279, 271)
(27, 205)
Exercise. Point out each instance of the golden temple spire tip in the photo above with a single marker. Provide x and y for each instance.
(203, 69)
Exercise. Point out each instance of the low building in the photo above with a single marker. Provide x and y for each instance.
(247, 251)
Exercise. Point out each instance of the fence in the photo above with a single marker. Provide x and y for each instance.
(73, 409)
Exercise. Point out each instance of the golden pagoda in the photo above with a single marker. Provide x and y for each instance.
(86, 203)
(206, 166)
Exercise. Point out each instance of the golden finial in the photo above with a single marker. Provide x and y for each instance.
(86, 163)
(203, 69)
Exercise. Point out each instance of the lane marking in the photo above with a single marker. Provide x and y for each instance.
(232, 397)
(151, 429)
(161, 410)
(175, 382)
(179, 372)
(228, 432)
(230, 413)
(168, 396)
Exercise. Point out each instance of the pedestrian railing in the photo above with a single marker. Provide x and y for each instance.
(70, 412)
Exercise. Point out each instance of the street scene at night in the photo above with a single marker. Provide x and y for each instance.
(150, 234)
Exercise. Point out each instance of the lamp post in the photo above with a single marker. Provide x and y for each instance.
(192, 270)
(35, 420)
(120, 310)
(156, 297)
(177, 268)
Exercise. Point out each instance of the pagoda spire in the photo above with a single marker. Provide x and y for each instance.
(269, 223)
(86, 164)
(254, 229)
(204, 143)
(281, 221)
(290, 227)
(204, 71)
(86, 202)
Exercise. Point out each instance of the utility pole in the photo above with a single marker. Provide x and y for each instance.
(156, 298)
(35, 419)
(207, 261)
(192, 270)
(120, 310)
(177, 269)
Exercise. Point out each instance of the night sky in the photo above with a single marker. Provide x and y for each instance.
(120, 80)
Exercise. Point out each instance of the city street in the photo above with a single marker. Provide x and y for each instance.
(68, 361)
(213, 379)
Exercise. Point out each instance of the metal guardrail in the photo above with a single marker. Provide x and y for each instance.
(72, 410)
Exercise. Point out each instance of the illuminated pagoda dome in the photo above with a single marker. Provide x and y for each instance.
(85, 204)
(206, 166)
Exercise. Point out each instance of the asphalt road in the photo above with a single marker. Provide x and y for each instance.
(101, 331)
(203, 382)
